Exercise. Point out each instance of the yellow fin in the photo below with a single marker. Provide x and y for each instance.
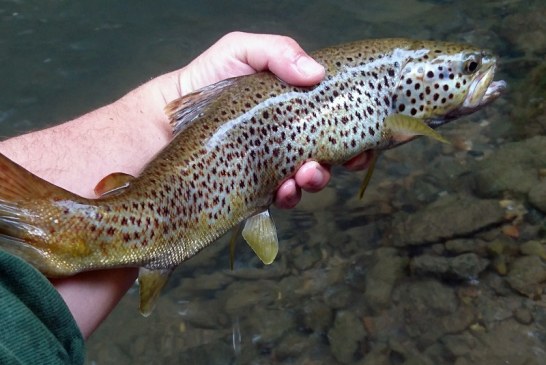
(261, 236)
(151, 282)
(232, 241)
(113, 184)
(368, 176)
(403, 126)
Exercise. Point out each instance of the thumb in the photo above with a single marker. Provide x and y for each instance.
(279, 54)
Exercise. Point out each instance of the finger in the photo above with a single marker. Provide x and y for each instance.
(281, 55)
(359, 162)
(288, 195)
(312, 176)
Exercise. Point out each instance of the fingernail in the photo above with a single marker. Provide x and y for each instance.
(308, 66)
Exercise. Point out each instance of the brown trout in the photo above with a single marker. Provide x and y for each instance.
(234, 143)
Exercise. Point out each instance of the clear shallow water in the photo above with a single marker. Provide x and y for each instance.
(399, 278)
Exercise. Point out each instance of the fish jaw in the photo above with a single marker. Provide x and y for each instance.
(482, 95)
(482, 92)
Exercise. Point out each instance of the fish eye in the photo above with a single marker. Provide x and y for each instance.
(472, 64)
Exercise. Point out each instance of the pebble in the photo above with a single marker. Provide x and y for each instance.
(526, 274)
(535, 248)
(523, 316)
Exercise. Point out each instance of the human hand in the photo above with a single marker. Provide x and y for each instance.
(238, 54)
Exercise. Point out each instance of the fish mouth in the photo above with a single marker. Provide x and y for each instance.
(482, 91)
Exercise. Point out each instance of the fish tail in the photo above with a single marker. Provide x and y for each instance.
(20, 232)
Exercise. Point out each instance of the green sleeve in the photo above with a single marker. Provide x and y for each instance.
(36, 326)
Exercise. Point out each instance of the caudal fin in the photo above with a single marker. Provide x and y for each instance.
(20, 191)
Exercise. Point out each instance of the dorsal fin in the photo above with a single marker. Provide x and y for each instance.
(184, 110)
(113, 184)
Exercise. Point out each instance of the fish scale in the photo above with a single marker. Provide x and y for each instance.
(234, 143)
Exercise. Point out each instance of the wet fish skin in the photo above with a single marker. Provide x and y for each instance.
(235, 142)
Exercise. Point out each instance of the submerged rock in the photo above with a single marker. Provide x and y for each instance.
(465, 245)
(459, 344)
(429, 264)
(537, 196)
(513, 167)
(317, 316)
(449, 217)
(427, 297)
(382, 276)
(464, 266)
(345, 337)
(467, 265)
(526, 274)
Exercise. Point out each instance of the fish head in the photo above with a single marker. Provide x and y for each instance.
(443, 81)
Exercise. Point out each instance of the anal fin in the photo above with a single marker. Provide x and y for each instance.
(151, 282)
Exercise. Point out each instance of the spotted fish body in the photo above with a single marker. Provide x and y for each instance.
(235, 142)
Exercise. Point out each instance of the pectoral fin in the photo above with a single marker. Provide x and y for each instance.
(368, 176)
(151, 282)
(261, 236)
(403, 127)
(113, 184)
